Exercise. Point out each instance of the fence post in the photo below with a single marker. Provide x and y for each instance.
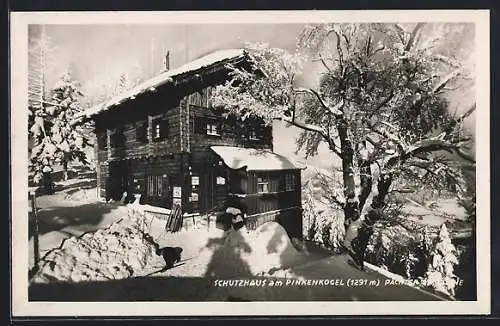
(36, 230)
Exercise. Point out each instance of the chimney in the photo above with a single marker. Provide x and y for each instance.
(166, 61)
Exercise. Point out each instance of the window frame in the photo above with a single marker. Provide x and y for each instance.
(155, 185)
(156, 127)
(212, 128)
(290, 181)
(264, 181)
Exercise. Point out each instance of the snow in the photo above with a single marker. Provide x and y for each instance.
(116, 252)
(168, 76)
(254, 159)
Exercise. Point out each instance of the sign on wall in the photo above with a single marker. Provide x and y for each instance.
(177, 192)
(194, 196)
(221, 181)
(195, 181)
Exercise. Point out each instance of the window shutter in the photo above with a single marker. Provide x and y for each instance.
(164, 130)
(142, 132)
(200, 125)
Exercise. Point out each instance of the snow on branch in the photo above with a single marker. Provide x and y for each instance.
(445, 80)
(305, 126)
(395, 139)
(336, 109)
(413, 35)
(428, 145)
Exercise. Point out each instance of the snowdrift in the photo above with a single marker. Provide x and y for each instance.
(244, 253)
(117, 252)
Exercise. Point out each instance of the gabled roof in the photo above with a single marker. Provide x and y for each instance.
(254, 159)
(167, 77)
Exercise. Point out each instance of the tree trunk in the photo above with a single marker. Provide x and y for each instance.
(365, 176)
(351, 208)
(365, 232)
(65, 170)
(47, 183)
(378, 202)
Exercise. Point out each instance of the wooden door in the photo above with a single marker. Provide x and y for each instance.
(207, 193)
(118, 175)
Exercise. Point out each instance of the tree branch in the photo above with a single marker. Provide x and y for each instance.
(334, 110)
(381, 104)
(446, 79)
(428, 145)
(399, 143)
(339, 50)
(413, 35)
(401, 32)
(447, 60)
(467, 113)
(305, 126)
(322, 60)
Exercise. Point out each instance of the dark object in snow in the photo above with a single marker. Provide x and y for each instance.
(171, 255)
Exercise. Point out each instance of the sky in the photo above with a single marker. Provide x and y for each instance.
(99, 54)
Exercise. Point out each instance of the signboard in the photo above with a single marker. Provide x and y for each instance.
(221, 181)
(195, 181)
(194, 196)
(177, 201)
(177, 192)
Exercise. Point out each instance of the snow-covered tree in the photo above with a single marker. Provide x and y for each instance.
(440, 274)
(105, 86)
(41, 60)
(378, 101)
(56, 140)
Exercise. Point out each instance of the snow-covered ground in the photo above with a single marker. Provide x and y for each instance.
(71, 211)
(105, 257)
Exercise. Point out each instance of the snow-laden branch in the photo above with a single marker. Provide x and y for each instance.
(395, 139)
(413, 35)
(339, 49)
(445, 80)
(381, 104)
(401, 33)
(467, 113)
(303, 125)
(335, 110)
(428, 145)
(447, 60)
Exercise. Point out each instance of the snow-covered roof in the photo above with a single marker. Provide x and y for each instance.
(168, 76)
(254, 159)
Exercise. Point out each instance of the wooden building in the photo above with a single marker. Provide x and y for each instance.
(164, 140)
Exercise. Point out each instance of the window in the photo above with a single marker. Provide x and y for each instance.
(160, 129)
(117, 138)
(141, 132)
(262, 184)
(212, 128)
(255, 134)
(290, 181)
(207, 126)
(157, 185)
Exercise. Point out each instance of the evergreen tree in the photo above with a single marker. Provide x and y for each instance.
(440, 274)
(55, 139)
